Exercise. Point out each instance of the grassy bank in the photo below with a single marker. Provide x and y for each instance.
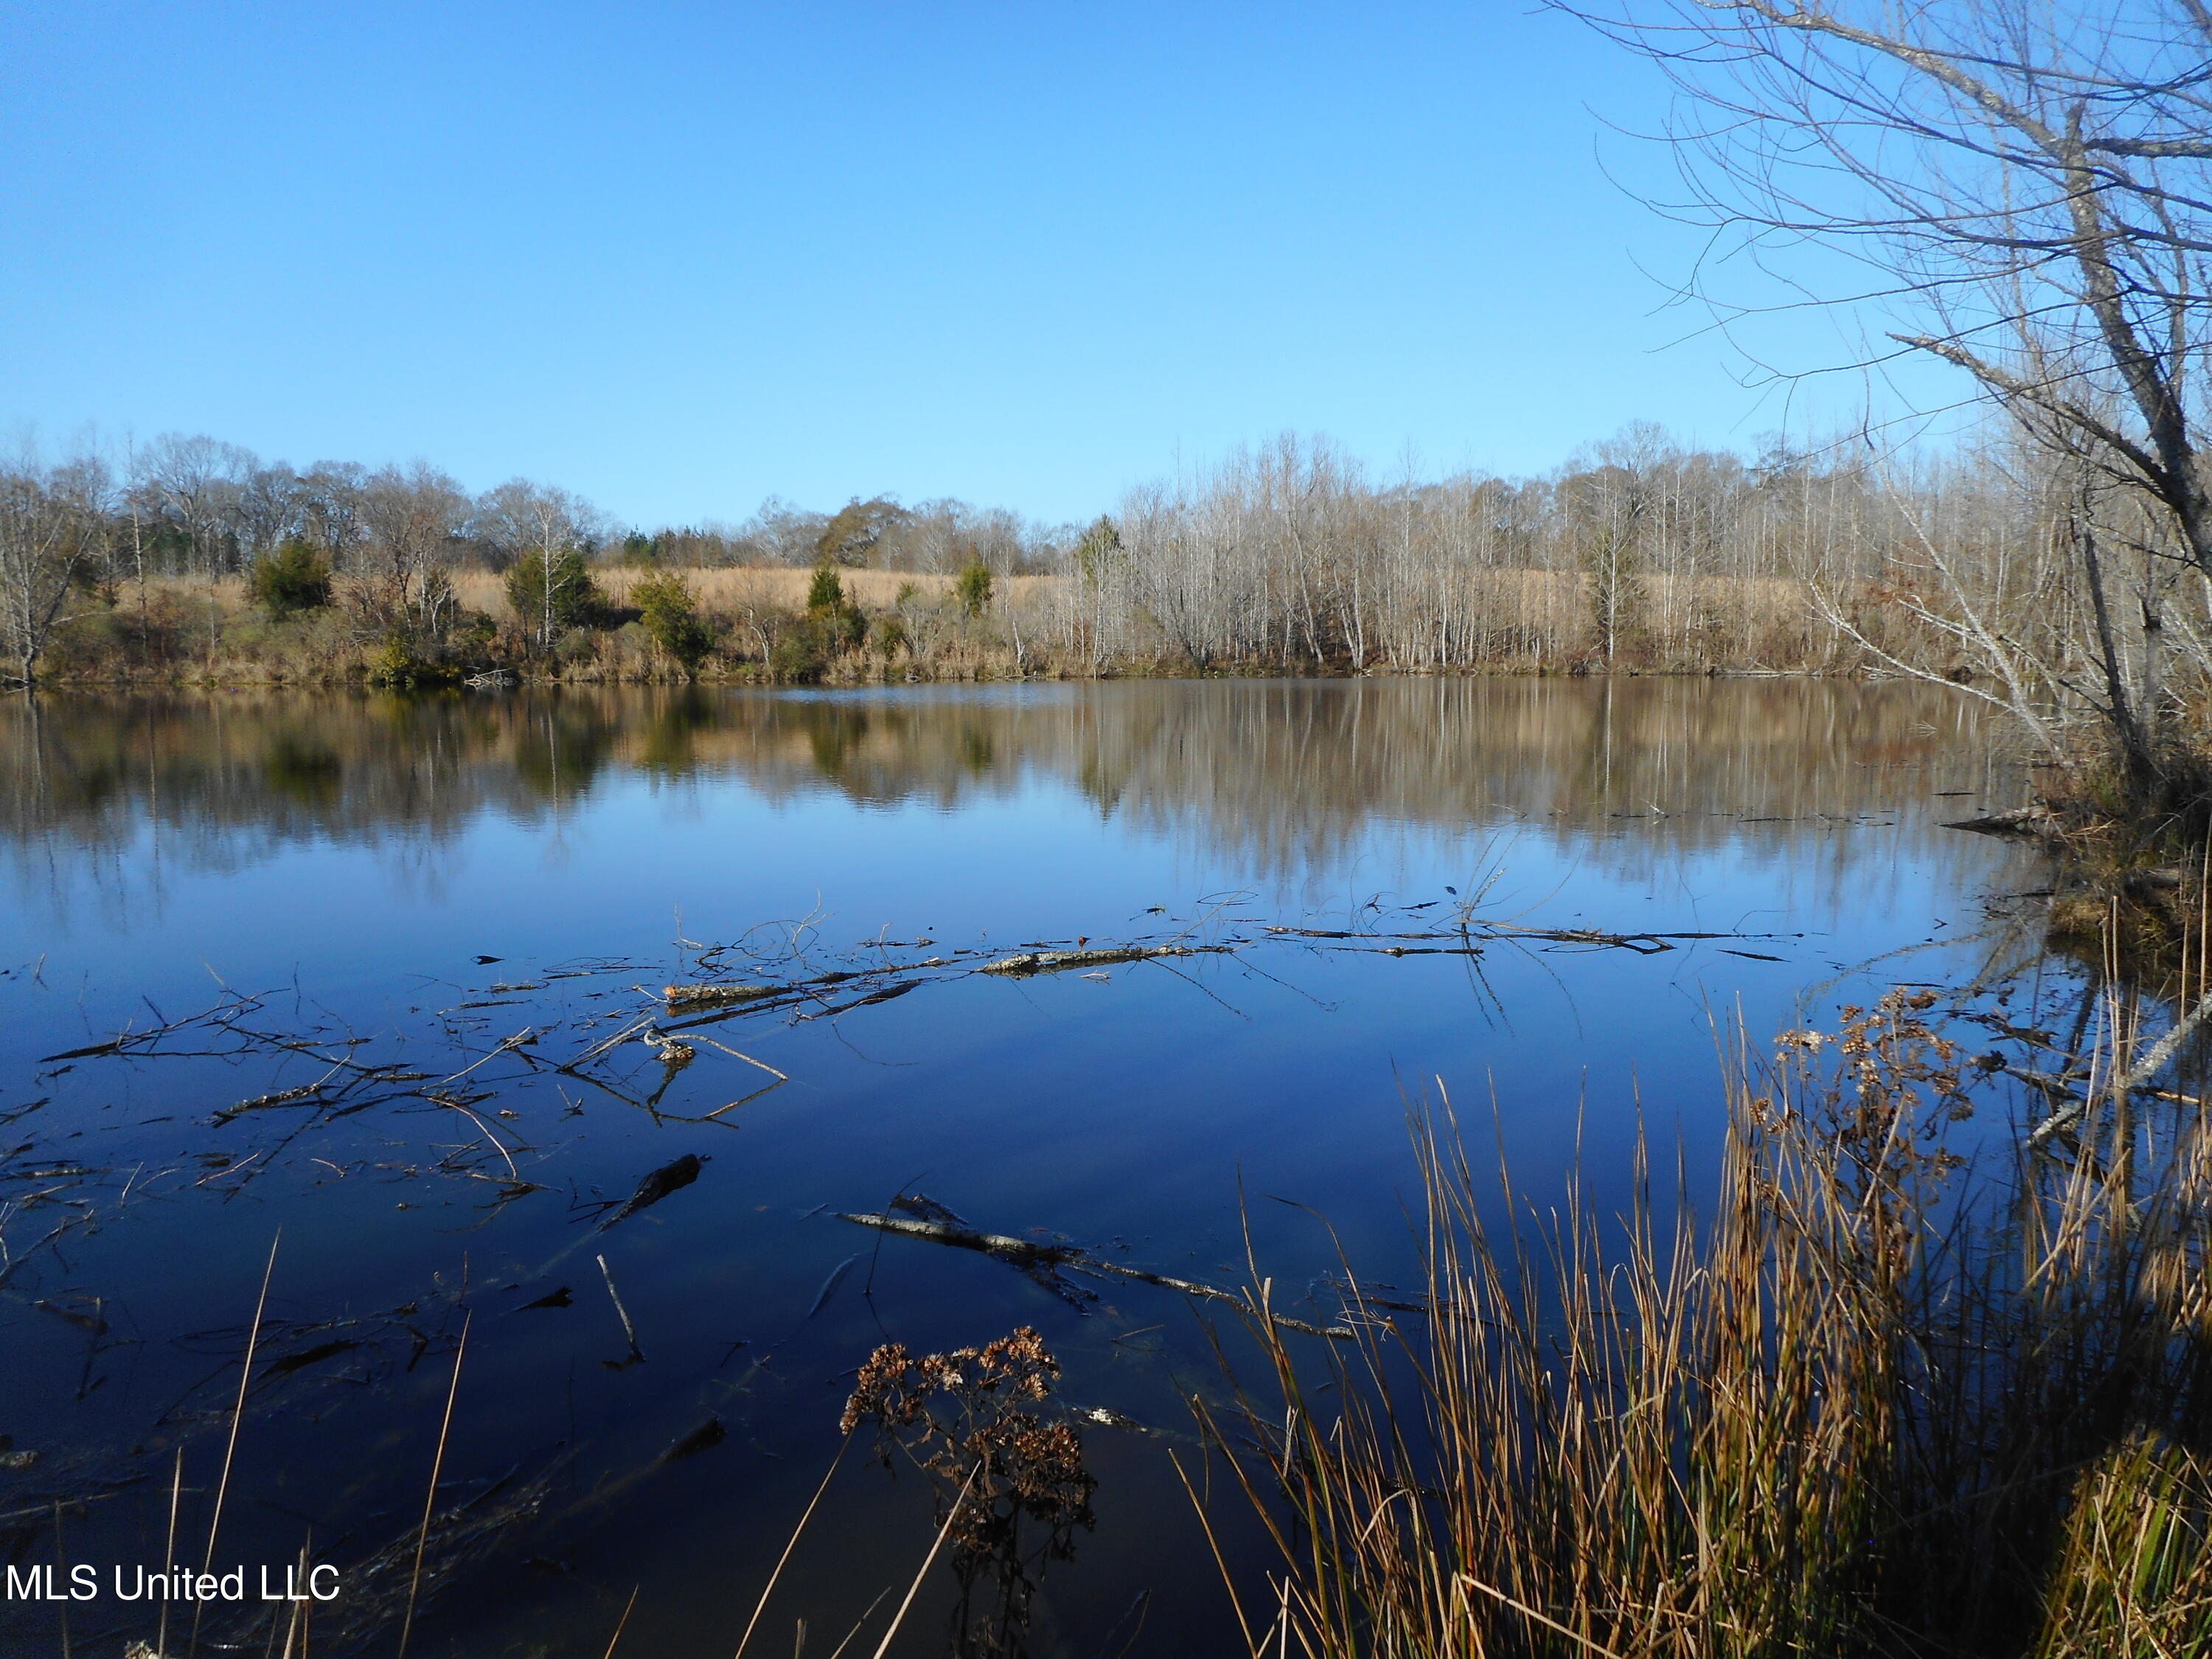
(1878, 1403)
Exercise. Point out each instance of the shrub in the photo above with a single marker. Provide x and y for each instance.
(831, 609)
(576, 646)
(797, 657)
(291, 579)
(550, 600)
(398, 666)
(669, 611)
(974, 588)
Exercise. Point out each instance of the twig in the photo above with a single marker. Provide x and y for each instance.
(1026, 1252)
(1207, 1526)
(864, 1614)
(943, 1533)
(791, 1544)
(605, 1043)
(430, 1499)
(2133, 1079)
(169, 1547)
(628, 1329)
(506, 1045)
(1527, 1612)
(496, 1146)
(748, 1059)
(237, 1416)
(623, 1623)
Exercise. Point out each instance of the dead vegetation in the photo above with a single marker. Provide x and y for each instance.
(1008, 1472)
(1874, 1404)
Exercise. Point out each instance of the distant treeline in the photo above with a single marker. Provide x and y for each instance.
(193, 559)
(196, 505)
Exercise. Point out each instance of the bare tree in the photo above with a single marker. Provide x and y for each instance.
(553, 529)
(2029, 189)
(414, 517)
(197, 486)
(1613, 498)
(54, 524)
(332, 512)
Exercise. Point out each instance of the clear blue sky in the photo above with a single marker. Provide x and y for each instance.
(677, 257)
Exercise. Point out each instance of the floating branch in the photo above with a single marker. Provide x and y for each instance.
(1054, 962)
(716, 996)
(1474, 933)
(1028, 1253)
(2037, 820)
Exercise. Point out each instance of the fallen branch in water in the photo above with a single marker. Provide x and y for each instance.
(1023, 1252)
(716, 996)
(1054, 962)
(2036, 821)
(643, 1024)
(2137, 1076)
(230, 1008)
(1478, 933)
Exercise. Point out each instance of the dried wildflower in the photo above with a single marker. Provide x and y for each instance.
(962, 1418)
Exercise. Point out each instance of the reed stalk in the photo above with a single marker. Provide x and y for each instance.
(1874, 1403)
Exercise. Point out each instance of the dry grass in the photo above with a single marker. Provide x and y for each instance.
(1498, 619)
(1866, 1409)
(733, 592)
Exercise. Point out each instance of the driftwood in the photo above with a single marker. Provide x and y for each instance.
(968, 1238)
(1478, 933)
(714, 996)
(1028, 1253)
(263, 1103)
(2036, 821)
(1054, 962)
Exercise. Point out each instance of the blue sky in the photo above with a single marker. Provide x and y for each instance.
(679, 256)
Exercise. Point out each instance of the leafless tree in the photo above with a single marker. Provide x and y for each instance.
(518, 518)
(196, 487)
(53, 525)
(414, 517)
(331, 512)
(2028, 188)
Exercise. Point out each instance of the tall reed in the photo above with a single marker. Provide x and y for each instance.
(1876, 1403)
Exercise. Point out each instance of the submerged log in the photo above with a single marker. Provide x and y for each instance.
(668, 1178)
(966, 1238)
(1027, 1253)
(2037, 820)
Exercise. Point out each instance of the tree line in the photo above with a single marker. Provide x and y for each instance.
(2028, 193)
(1640, 553)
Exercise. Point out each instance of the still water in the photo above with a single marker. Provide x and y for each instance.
(349, 943)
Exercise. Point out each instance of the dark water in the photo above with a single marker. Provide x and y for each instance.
(302, 888)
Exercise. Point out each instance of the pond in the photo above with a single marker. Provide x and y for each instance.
(318, 992)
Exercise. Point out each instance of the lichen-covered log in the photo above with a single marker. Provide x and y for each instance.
(1052, 962)
(714, 996)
